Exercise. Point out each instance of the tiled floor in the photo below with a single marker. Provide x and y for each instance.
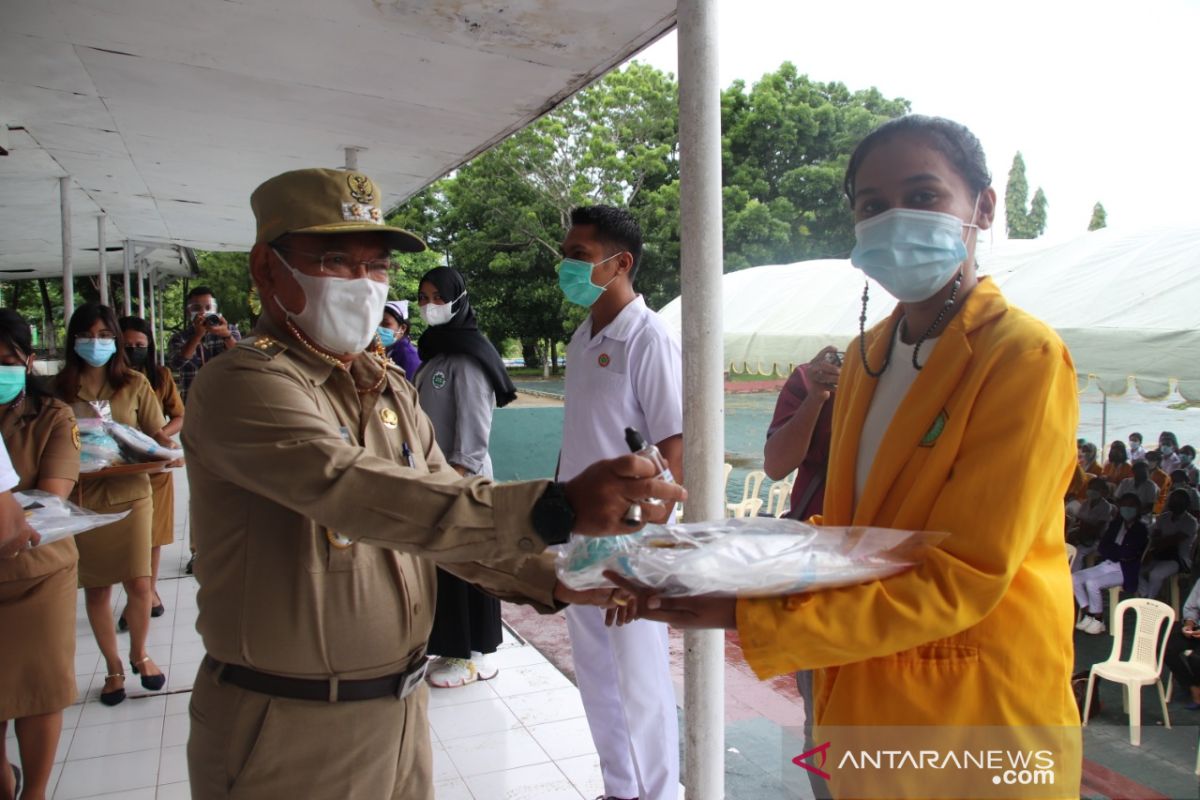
(520, 736)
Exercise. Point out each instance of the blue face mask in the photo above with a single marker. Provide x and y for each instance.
(575, 280)
(910, 253)
(12, 383)
(96, 352)
(1128, 512)
(387, 336)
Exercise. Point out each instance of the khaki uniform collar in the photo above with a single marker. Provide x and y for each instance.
(363, 369)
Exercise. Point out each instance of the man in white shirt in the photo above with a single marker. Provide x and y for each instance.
(624, 370)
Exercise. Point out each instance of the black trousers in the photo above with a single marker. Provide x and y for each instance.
(1186, 669)
(466, 619)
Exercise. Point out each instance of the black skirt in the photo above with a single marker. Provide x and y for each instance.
(466, 619)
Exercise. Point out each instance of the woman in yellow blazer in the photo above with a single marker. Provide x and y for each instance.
(956, 414)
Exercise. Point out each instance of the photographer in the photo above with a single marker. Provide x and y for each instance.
(210, 335)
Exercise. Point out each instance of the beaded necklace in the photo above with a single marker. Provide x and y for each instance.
(903, 321)
(376, 350)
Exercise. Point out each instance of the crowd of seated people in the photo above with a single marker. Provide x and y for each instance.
(1132, 520)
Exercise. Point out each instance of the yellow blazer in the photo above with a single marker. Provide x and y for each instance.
(982, 447)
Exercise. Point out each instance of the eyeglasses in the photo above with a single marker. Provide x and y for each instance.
(344, 265)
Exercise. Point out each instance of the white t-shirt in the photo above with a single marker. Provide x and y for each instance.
(629, 375)
(8, 476)
(893, 386)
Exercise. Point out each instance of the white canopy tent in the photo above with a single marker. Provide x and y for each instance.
(1122, 301)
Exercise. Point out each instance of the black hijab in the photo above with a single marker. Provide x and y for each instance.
(461, 334)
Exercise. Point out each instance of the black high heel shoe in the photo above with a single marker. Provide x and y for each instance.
(150, 683)
(116, 696)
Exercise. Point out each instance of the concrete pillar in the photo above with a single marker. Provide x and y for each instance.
(701, 239)
(101, 250)
(64, 201)
(128, 269)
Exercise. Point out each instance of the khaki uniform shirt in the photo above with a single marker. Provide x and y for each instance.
(282, 451)
(168, 394)
(42, 443)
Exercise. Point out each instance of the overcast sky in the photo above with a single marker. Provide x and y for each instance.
(1100, 97)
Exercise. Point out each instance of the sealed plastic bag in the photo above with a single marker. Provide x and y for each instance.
(97, 449)
(747, 557)
(138, 445)
(56, 519)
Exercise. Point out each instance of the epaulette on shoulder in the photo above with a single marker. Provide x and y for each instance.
(266, 346)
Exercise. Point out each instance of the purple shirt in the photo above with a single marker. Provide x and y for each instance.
(404, 355)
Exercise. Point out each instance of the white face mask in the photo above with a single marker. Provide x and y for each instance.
(433, 314)
(340, 314)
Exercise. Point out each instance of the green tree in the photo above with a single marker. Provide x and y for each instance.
(1099, 218)
(785, 147)
(1024, 221)
(1037, 214)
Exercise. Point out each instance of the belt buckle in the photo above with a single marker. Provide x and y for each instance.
(412, 680)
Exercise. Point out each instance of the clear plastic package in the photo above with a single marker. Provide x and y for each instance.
(56, 519)
(97, 449)
(138, 445)
(746, 557)
(104, 442)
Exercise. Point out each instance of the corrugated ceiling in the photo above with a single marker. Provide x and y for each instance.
(167, 113)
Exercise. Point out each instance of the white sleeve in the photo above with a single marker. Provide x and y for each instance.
(8, 476)
(658, 384)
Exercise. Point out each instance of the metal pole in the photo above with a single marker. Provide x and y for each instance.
(1103, 421)
(141, 279)
(100, 248)
(64, 199)
(703, 379)
(128, 269)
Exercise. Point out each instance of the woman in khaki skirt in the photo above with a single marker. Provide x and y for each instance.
(37, 587)
(138, 338)
(96, 369)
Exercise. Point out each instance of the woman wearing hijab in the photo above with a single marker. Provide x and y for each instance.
(460, 381)
(393, 334)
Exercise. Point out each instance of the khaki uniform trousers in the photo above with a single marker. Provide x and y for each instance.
(250, 746)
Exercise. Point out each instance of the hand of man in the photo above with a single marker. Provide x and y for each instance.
(601, 495)
(199, 326)
(604, 598)
(703, 611)
(15, 534)
(221, 330)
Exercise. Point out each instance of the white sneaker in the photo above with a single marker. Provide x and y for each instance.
(1094, 626)
(484, 666)
(450, 673)
(1082, 623)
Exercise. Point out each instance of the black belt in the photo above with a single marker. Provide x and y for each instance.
(400, 685)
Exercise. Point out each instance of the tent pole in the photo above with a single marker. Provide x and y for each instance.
(153, 306)
(703, 379)
(1104, 420)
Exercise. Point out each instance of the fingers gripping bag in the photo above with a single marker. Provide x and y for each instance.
(743, 557)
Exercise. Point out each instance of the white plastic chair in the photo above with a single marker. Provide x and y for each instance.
(777, 497)
(1153, 621)
(1071, 552)
(746, 508)
(753, 485)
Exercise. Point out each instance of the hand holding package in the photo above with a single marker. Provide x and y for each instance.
(746, 557)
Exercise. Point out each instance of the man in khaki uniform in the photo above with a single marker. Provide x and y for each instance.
(320, 502)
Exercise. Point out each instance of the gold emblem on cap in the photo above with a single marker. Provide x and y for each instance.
(360, 188)
(264, 342)
(390, 420)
